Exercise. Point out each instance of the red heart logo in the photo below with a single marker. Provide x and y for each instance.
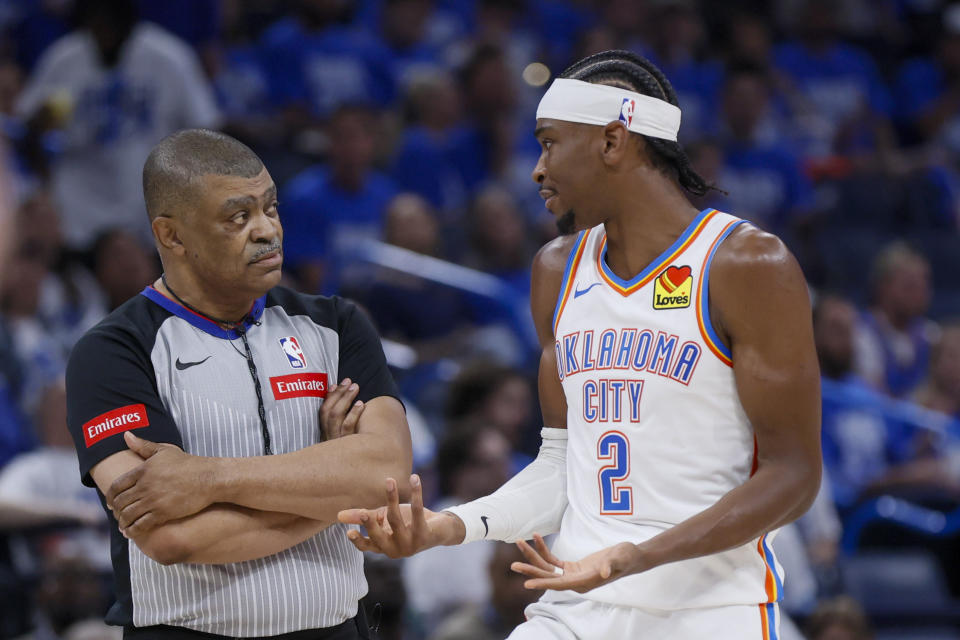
(677, 275)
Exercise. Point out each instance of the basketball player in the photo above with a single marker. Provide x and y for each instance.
(678, 361)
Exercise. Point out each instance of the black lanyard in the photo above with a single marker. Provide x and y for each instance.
(251, 365)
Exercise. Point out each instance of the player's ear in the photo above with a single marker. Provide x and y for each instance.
(616, 140)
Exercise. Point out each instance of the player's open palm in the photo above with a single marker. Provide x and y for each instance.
(549, 572)
(396, 530)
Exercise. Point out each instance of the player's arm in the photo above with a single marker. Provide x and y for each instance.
(315, 482)
(760, 301)
(532, 501)
(763, 307)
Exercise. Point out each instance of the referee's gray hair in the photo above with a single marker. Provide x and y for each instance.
(174, 166)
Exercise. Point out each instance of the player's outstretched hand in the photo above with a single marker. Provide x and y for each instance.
(167, 486)
(340, 411)
(401, 530)
(549, 572)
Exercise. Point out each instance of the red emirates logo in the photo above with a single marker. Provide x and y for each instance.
(132, 416)
(299, 385)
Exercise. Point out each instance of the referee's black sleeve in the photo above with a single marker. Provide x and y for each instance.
(111, 388)
(361, 354)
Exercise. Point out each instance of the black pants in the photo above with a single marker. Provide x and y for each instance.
(353, 629)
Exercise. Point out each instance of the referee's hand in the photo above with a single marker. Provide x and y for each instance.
(340, 412)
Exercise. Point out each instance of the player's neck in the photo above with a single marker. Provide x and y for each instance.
(647, 220)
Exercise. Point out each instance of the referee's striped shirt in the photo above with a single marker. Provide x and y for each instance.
(174, 376)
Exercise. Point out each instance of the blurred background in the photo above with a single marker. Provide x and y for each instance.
(400, 134)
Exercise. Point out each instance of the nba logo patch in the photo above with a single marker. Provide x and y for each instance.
(672, 288)
(291, 348)
(626, 111)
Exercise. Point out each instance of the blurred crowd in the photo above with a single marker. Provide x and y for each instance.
(400, 135)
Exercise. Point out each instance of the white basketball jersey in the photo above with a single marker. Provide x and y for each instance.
(656, 430)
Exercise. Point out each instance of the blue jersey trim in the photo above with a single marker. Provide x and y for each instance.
(658, 262)
(566, 277)
(705, 298)
(202, 322)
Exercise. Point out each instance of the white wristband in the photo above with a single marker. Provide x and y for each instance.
(533, 501)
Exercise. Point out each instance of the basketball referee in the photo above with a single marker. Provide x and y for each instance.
(194, 410)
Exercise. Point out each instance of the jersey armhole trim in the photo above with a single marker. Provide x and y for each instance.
(573, 262)
(714, 343)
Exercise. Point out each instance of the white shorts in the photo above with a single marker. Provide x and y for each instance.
(567, 616)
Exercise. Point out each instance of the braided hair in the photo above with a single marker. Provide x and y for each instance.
(632, 72)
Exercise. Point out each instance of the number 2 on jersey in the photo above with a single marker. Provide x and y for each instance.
(615, 500)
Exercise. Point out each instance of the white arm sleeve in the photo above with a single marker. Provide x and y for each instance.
(533, 501)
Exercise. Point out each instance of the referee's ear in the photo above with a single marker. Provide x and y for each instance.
(166, 234)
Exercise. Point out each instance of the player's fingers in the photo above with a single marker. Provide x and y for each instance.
(418, 524)
(545, 552)
(533, 557)
(531, 571)
(351, 516)
(394, 517)
(577, 582)
(360, 542)
(352, 420)
(377, 535)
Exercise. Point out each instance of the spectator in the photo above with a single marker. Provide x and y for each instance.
(318, 62)
(70, 602)
(865, 450)
(941, 392)
(678, 39)
(839, 83)
(497, 396)
(122, 266)
(841, 618)
(764, 178)
(241, 81)
(327, 207)
(894, 337)
(499, 240)
(115, 87)
(439, 156)
(497, 617)
(928, 90)
(432, 318)
(472, 460)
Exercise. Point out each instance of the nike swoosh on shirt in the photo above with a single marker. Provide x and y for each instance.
(186, 365)
(579, 292)
(486, 529)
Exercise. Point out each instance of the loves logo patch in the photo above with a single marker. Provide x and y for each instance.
(673, 288)
(132, 416)
(299, 385)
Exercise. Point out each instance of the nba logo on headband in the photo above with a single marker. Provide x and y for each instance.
(626, 111)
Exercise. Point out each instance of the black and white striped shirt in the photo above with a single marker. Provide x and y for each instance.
(177, 377)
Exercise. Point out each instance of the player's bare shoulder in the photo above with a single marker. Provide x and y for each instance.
(547, 277)
(754, 277)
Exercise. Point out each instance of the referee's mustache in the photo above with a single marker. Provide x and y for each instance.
(273, 247)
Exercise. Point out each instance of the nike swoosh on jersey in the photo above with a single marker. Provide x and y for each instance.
(486, 529)
(579, 292)
(186, 365)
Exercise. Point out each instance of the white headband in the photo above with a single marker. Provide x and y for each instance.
(589, 103)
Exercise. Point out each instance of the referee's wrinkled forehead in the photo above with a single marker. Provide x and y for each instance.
(174, 167)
